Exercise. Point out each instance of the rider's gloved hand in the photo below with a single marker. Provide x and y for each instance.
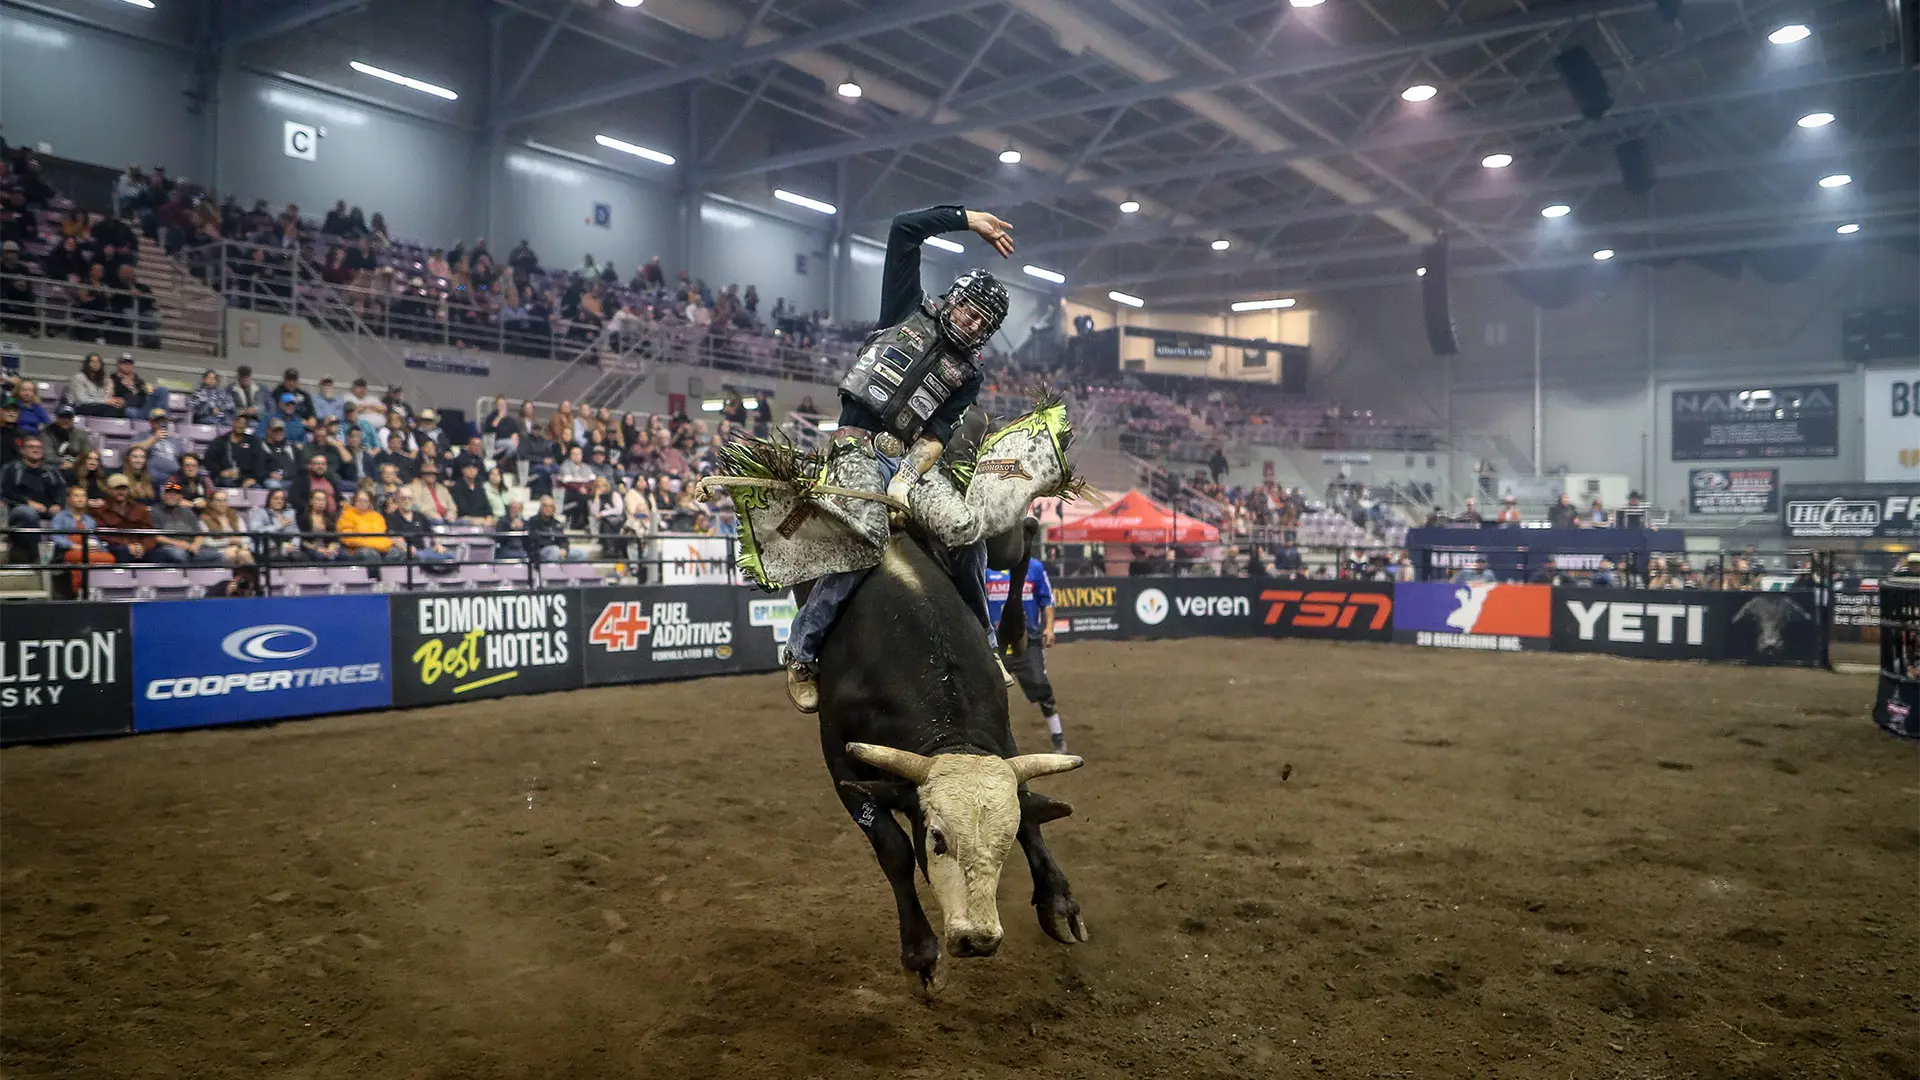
(901, 486)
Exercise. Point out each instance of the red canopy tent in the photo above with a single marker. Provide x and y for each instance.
(1135, 519)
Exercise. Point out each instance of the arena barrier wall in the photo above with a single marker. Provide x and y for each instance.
(70, 670)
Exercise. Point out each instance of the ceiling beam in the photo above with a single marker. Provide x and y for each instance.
(1264, 217)
(1797, 217)
(285, 18)
(1305, 59)
(727, 57)
(1413, 136)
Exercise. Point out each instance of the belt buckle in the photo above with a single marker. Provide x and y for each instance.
(889, 444)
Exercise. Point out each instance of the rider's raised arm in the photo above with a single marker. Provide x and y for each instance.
(900, 291)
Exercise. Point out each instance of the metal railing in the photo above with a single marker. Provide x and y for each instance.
(97, 314)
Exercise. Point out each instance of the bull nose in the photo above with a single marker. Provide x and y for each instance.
(976, 943)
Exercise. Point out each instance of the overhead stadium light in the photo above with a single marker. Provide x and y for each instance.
(1306, 3)
(1045, 274)
(1126, 298)
(1496, 161)
(635, 149)
(1848, 229)
(629, 3)
(848, 88)
(945, 244)
(409, 83)
(1834, 180)
(1131, 206)
(1603, 255)
(814, 205)
(1422, 272)
(1418, 92)
(712, 405)
(1009, 156)
(1222, 244)
(148, 4)
(1816, 120)
(1556, 210)
(1790, 33)
(1264, 305)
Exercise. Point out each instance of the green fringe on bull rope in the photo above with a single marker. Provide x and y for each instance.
(765, 460)
(1048, 417)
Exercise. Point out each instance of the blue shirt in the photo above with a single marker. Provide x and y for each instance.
(1037, 593)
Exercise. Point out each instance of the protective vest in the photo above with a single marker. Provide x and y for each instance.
(906, 372)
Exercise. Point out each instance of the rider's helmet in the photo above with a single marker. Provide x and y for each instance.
(972, 309)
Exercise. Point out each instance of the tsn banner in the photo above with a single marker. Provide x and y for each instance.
(463, 646)
(203, 662)
(1331, 610)
(66, 671)
(645, 633)
(1671, 624)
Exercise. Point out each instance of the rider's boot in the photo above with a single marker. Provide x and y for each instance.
(803, 687)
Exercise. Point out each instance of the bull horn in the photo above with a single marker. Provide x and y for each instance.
(1030, 766)
(902, 763)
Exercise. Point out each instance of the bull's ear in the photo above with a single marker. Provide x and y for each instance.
(887, 794)
(1037, 809)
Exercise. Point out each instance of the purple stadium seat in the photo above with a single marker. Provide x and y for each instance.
(109, 583)
(164, 583)
(109, 458)
(301, 581)
(253, 496)
(201, 433)
(108, 427)
(477, 548)
(480, 576)
(349, 579)
(513, 575)
(207, 579)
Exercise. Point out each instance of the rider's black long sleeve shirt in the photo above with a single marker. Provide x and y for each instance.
(900, 294)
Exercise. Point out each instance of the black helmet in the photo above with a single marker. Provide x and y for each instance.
(978, 290)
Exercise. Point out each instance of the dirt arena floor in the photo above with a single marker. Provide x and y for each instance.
(1478, 866)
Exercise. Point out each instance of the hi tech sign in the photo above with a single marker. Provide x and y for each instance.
(664, 632)
(460, 647)
(201, 662)
(1866, 511)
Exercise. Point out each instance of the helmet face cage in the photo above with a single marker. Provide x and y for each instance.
(976, 289)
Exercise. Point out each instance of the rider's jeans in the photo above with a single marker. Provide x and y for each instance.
(831, 591)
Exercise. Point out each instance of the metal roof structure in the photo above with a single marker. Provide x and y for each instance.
(1284, 129)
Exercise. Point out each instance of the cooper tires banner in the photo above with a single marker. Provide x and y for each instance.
(66, 671)
(463, 646)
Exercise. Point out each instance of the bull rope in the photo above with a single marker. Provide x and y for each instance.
(701, 489)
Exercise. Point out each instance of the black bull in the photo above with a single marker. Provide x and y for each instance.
(908, 666)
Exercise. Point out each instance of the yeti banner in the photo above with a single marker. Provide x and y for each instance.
(1671, 624)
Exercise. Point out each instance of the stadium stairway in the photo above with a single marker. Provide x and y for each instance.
(190, 313)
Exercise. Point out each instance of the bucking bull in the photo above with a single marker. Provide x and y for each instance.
(923, 732)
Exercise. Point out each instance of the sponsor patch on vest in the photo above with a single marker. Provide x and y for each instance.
(877, 392)
(951, 372)
(888, 374)
(1004, 468)
(908, 333)
(922, 404)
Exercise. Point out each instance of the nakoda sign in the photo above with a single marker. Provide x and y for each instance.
(1799, 421)
(1864, 511)
(457, 647)
(66, 671)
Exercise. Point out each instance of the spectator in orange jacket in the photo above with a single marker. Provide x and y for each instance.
(361, 517)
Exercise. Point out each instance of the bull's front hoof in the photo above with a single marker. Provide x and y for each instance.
(1061, 920)
(924, 967)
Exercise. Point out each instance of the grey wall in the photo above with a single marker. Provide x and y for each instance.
(1609, 365)
(96, 96)
(736, 244)
(549, 200)
(422, 175)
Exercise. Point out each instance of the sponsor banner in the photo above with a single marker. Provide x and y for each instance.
(1742, 423)
(1647, 624)
(1175, 349)
(449, 363)
(642, 633)
(1495, 617)
(1865, 511)
(66, 671)
(765, 622)
(1186, 607)
(203, 662)
(693, 560)
(1733, 492)
(1856, 615)
(463, 646)
(1892, 399)
(1336, 610)
(1771, 628)
(1087, 608)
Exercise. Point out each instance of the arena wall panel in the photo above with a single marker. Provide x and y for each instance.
(463, 646)
(66, 671)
